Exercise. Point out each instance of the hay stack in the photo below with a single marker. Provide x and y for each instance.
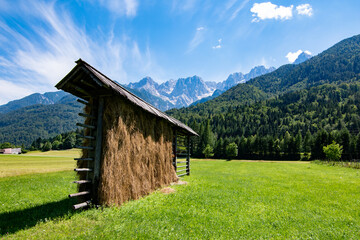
(136, 154)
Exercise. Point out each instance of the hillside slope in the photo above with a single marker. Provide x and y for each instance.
(338, 64)
(24, 125)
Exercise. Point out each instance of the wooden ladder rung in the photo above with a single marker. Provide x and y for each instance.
(83, 170)
(181, 166)
(85, 125)
(82, 181)
(87, 137)
(79, 194)
(83, 102)
(81, 205)
(84, 159)
(85, 147)
(86, 115)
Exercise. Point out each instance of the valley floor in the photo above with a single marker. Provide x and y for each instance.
(223, 200)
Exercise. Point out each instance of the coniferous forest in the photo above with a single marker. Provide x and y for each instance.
(291, 113)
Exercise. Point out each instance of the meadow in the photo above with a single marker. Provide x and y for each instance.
(222, 200)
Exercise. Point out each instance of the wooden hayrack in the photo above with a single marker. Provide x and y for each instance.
(91, 86)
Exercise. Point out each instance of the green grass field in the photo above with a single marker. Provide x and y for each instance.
(223, 200)
(37, 162)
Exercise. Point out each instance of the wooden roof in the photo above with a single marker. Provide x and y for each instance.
(84, 81)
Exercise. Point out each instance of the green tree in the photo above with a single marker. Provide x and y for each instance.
(6, 145)
(333, 151)
(56, 145)
(231, 150)
(47, 147)
(208, 151)
(70, 141)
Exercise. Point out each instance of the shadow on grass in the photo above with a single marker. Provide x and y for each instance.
(12, 222)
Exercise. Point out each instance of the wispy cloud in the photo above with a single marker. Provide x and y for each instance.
(197, 39)
(268, 10)
(238, 9)
(35, 63)
(292, 56)
(218, 46)
(184, 5)
(122, 7)
(305, 9)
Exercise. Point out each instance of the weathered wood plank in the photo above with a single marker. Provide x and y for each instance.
(87, 137)
(83, 102)
(81, 205)
(82, 181)
(86, 115)
(84, 159)
(79, 194)
(85, 147)
(83, 170)
(85, 125)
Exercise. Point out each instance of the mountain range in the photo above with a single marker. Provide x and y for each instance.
(185, 91)
(336, 66)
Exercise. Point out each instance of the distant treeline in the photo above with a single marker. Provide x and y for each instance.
(302, 121)
(62, 141)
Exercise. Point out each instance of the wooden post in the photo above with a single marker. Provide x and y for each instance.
(175, 150)
(97, 162)
(188, 156)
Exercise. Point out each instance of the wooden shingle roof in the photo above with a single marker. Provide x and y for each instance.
(79, 82)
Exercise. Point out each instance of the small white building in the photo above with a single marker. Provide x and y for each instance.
(10, 151)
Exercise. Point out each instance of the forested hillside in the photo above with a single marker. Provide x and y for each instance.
(297, 108)
(24, 125)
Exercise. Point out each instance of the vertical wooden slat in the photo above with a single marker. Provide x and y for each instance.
(188, 156)
(175, 150)
(97, 159)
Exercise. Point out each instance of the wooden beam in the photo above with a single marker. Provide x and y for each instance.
(79, 194)
(84, 147)
(83, 170)
(188, 155)
(86, 115)
(83, 159)
(175, 149)
(81, 205)
(82, 181)
(87, 137)
(98, 148)
(85, 125)
(83, 102)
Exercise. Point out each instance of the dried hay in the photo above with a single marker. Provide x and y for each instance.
(136, 154)
(167, 190)
(179, 183)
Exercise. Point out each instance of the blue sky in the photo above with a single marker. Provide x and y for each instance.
(130, 39)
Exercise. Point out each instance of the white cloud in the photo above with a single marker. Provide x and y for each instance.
(304, 9)
(10, 91)
(36, 63)
(292, 56)
(218, 46)
(267, 10)
(197, 39)
(122, 7)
